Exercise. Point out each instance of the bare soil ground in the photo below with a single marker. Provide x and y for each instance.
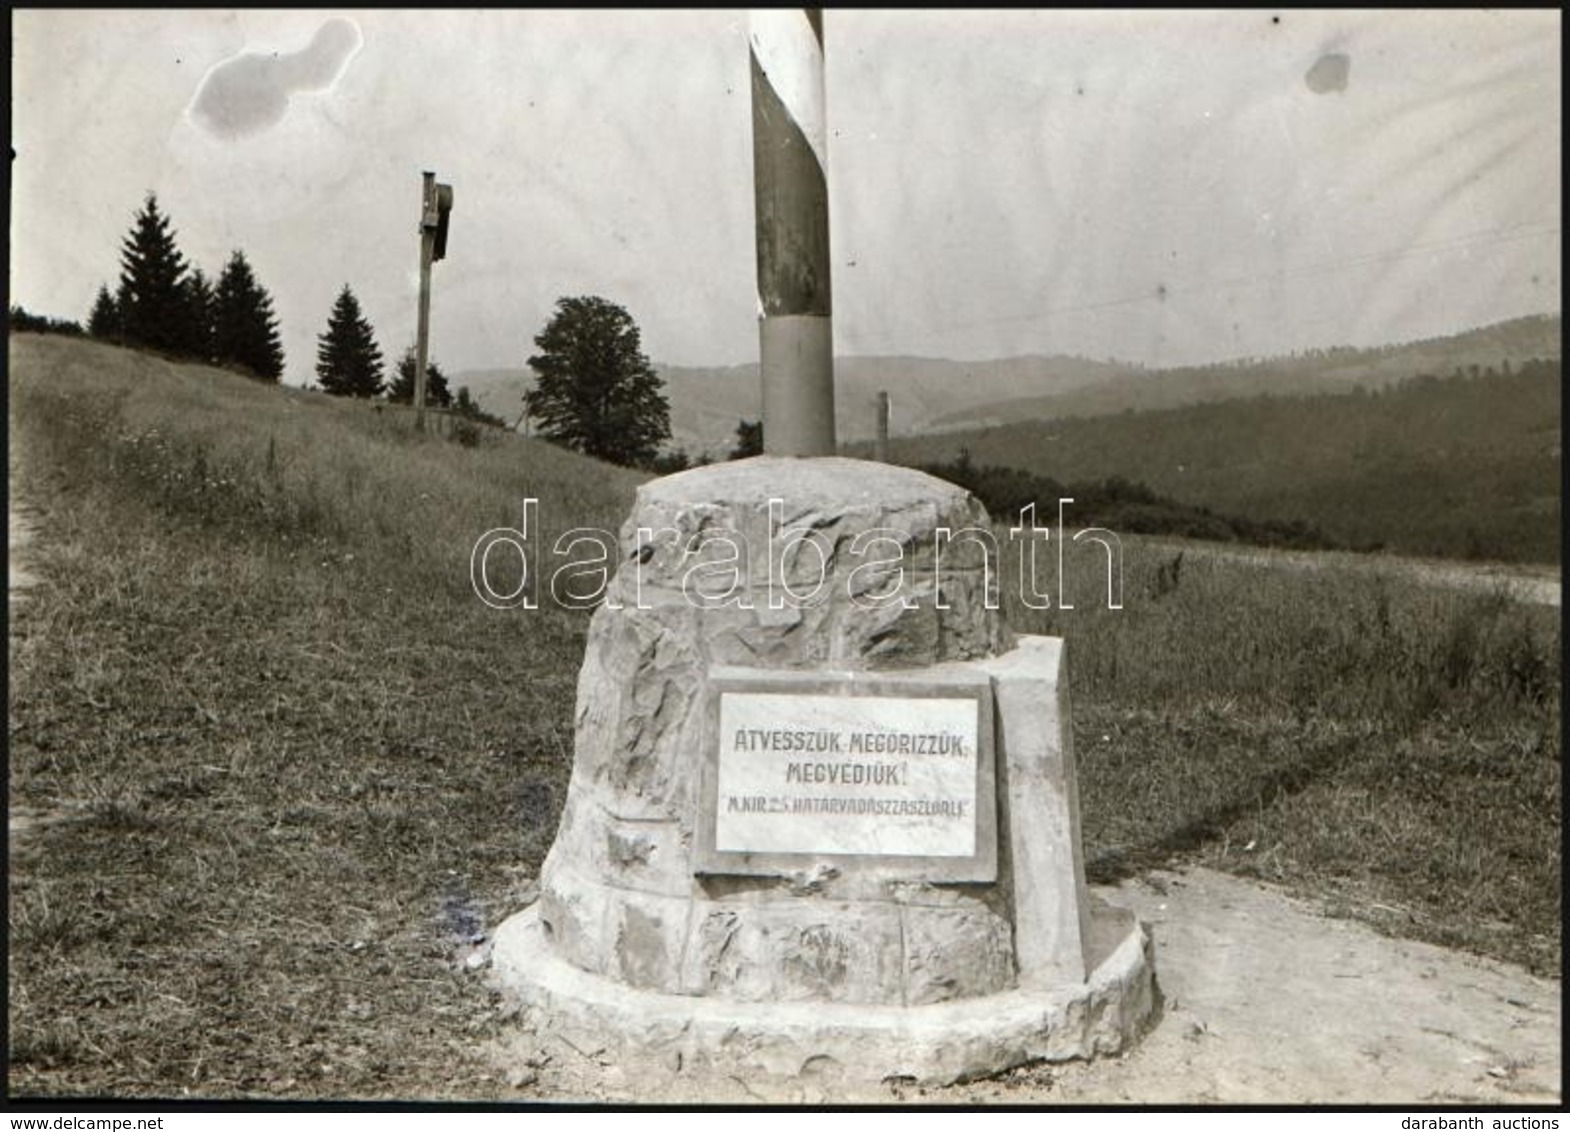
(19, 532)
(1534, 584)
(1266, 1001)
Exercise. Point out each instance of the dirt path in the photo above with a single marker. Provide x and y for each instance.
(1267, 1001)
(1535, 584)
(20, 529)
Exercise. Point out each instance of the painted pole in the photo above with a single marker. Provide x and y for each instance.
(790, 190)
(881, 452)
(435, 209)
(427, 249)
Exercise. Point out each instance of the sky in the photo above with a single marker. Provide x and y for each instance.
(1163, 187)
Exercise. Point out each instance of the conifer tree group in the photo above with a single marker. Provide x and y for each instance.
(165, 303)
(596, 392)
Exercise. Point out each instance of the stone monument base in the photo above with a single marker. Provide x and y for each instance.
(935, 1044)
(823, 818)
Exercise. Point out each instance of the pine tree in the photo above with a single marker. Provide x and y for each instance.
(122, 303)
(401, 391)
(467, 407)
(245, 330)
(597, 392)
(348, 362)
(749, 440)
(153, 307)
(200, 314)
(104, 322)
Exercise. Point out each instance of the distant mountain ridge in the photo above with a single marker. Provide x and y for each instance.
(498, 391)
(941, 395)
(707, 402)
(1440, 465)
(1335, 370)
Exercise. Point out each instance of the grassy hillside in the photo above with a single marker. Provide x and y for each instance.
(1452, 467)
(285, 763)
(279, 768)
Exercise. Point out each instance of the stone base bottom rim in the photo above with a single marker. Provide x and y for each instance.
(938, 1044)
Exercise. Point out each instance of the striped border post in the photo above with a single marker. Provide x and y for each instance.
(790, 187)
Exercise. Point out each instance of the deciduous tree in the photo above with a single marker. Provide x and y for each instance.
(597, 392)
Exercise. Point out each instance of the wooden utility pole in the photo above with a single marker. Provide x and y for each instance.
(881, 452)
(790, 189)
(435, 204)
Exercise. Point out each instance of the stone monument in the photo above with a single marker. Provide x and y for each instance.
(822, 814)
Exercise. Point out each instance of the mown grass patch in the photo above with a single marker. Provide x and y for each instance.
(1393, 746)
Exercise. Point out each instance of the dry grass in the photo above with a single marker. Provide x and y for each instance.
(297, 765)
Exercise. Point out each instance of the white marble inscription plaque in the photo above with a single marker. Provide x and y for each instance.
(863, 775)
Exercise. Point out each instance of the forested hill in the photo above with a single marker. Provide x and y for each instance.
(1334, 370)
(940, 395)
(1452, 466)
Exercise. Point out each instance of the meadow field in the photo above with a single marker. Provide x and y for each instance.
(274, 767)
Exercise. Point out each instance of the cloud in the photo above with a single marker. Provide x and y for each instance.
(250, 92)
